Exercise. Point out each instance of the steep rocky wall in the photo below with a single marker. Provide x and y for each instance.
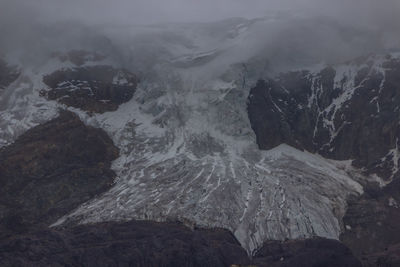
(50, 170)
(343, 112)
(371, 223)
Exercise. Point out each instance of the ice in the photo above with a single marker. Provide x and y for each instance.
(187, 151)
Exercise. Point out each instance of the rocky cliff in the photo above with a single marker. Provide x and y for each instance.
(51, 170)
(371, 228)
(342, 112)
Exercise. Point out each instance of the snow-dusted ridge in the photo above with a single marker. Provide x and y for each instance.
(188, 151)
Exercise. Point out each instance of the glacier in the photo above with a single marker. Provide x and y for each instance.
(188, 152)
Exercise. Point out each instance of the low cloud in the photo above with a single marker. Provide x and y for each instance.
(28, 25)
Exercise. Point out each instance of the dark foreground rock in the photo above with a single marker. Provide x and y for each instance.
(390, 257)
(348, 112)
(372, 226)
(144, 243)
(94, 88)
(50, 170)
(123, 244)
(308, 252)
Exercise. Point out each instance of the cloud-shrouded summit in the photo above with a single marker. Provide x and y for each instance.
(23, 23)
(177, 85)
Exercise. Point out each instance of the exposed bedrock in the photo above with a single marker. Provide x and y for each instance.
(344, 112)
(307, 252)
(91, 88)
(372, 227)
(144, 243)
(136, 243)
(52, 169)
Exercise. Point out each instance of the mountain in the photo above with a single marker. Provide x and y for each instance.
(349, 111)
(213, 129)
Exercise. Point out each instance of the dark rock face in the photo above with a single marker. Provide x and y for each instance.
(308, 252)
(50, 170)
(341, 115)
(143, 243)
(95, 89)
(8, 74)
(388, 258)
(136, 243)
(372, 225)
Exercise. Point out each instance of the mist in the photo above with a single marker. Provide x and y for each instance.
(373, 13)
(322, 30)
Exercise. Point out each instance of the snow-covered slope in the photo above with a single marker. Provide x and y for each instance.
(187, 149)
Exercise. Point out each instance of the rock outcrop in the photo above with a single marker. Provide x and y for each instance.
(144, 243)
(344, 112)
(372, 228)
(93, 88)
(123, 244)
(307, 252)
(50, 170)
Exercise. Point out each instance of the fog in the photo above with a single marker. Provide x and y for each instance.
(374, 13)
(27, 25)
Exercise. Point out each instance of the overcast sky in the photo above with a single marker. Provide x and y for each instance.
(374, 12)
